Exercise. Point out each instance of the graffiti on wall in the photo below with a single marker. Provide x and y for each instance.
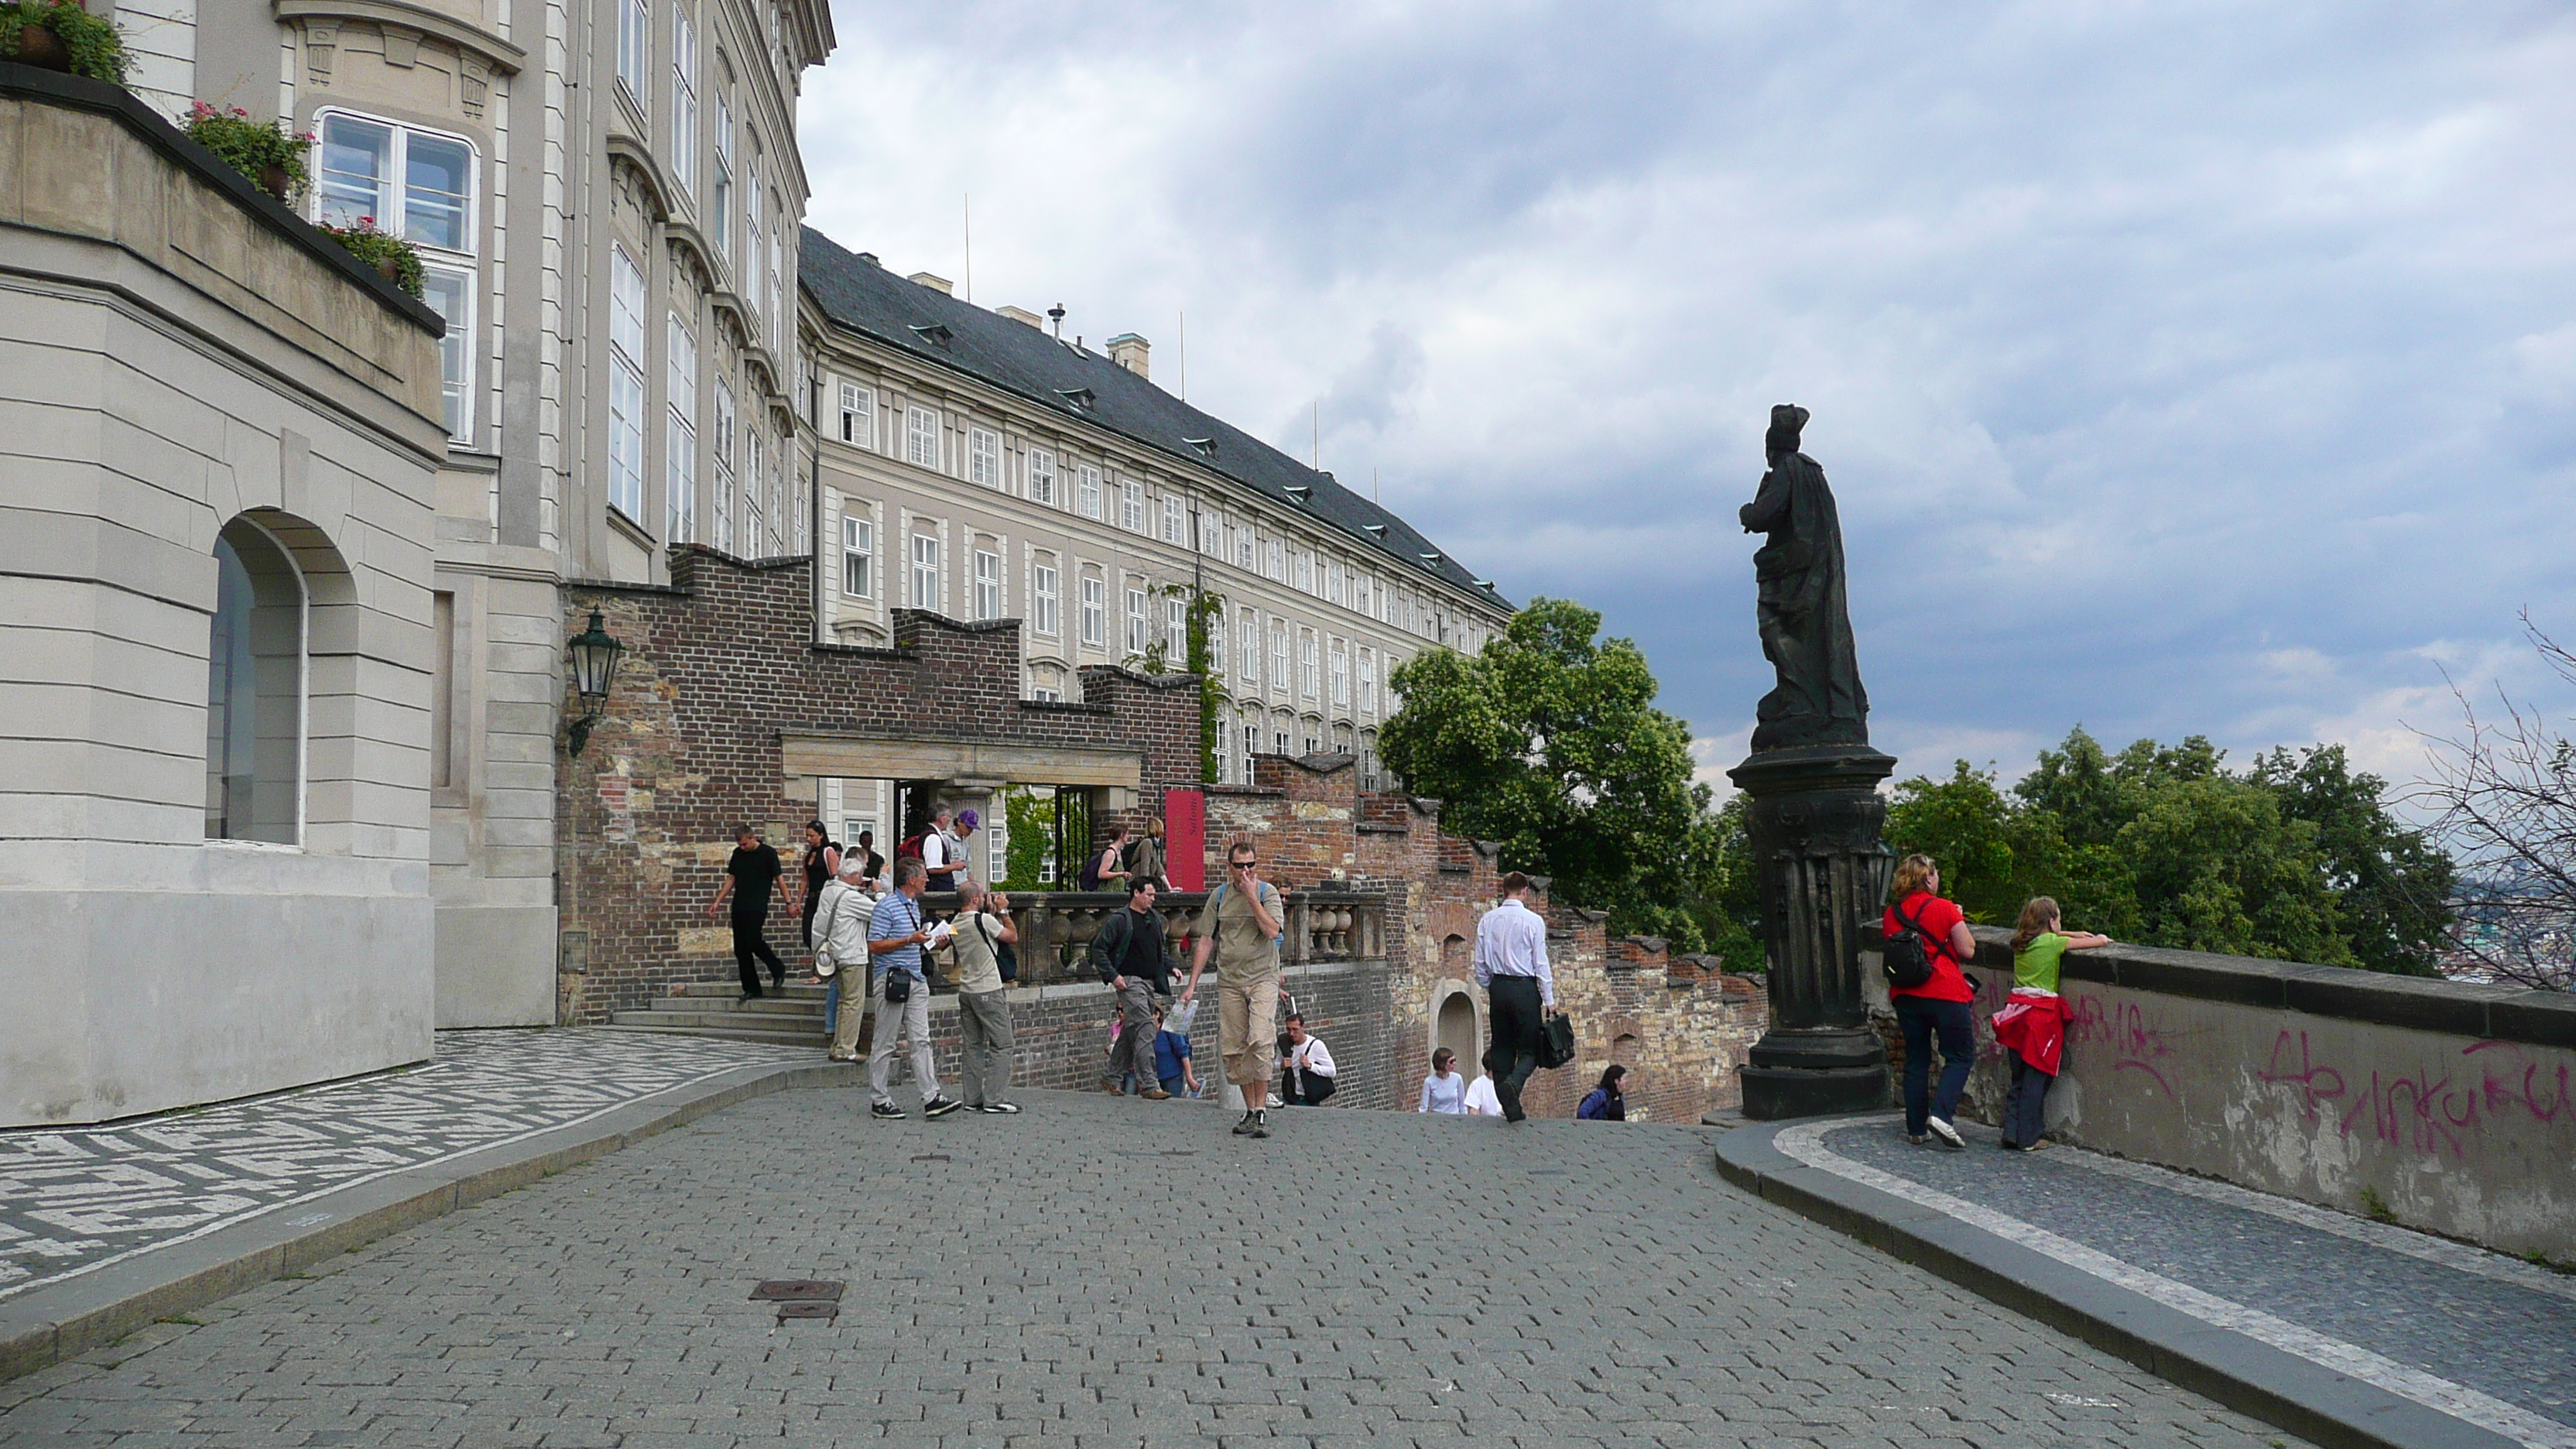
(2424, 1111)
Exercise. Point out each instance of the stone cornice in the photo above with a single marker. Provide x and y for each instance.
(467, 37)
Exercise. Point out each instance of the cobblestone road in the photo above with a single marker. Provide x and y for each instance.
(1107, 1271)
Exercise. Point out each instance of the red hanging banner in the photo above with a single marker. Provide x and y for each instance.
(1185, 839)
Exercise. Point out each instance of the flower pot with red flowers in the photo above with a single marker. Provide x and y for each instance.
(391, 256)
(272, 156)
(60, 35)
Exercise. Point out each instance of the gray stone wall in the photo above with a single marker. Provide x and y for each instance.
(178, 352)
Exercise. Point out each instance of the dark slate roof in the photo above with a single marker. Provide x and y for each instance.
(858, 294)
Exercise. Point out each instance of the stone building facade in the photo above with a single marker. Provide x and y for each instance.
(215, 599)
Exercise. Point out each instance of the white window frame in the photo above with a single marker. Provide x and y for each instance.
(455, 348)
(680, 433)
(989, 598)
(1043, 583)
(921, 436)
(1176, 519)
(859, 416)
(926, 581)
(634, 52)
(1274, 558)
(1086, 491)
(1041, 472)
(720, 186)
(1131, 505)
(752, 468)
(722, 488)
(1216, 645)
(858, 551)
(984, 457)
(1095, 613)
(1309, 667)
(684, 100)
(1338, 653)
(1135, 620)
(1368, 681)
(1176, 634)
(1278, 656)
(1247, 657)
(626, 345)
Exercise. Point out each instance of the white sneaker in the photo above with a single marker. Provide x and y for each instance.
(1275, 1102)
(1945, 1131)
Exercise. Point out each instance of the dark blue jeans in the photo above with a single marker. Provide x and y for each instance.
(1921, 1017)
(2026, 1102)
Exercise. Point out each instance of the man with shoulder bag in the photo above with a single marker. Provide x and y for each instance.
(841, 917)
(896, 934)
(983, 933)
(1511, 964)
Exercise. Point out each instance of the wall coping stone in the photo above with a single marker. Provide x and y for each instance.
(2424, 1003)
(80, 93)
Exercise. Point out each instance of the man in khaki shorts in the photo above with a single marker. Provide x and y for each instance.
(1240, 924)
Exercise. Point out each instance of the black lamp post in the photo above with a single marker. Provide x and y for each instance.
(594, 664)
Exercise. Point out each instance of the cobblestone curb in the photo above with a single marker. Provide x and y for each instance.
(2280, 1388)
(50, 1325)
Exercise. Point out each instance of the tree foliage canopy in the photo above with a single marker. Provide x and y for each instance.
(1548, 742)
(2296, 859)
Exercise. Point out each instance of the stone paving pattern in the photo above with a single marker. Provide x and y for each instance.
(1104, 1271)
(2504, 1338)
(75, 1199)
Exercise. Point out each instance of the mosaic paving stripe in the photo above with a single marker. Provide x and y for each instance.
(73, 1201)
(1806, 1144)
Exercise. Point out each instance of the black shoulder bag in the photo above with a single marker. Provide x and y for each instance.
(1904, 960)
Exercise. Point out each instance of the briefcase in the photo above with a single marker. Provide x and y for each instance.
(1556, 1044)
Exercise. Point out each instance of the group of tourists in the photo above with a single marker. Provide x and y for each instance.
(1928, 986)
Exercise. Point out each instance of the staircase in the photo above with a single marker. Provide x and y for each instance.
(792, 1019)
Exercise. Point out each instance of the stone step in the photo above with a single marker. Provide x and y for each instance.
(716, 991)
(722, 1033)
(727, 1020)
(765, 1006)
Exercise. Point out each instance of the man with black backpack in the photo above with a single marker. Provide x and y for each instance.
(1128, 954)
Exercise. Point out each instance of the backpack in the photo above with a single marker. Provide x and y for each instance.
(1091, 869)
(910, 848)
(1005, 960)
(1218, 899)
(1904, 960)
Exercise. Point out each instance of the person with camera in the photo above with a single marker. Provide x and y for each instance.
(983, 927)
(1240, 927)
(896, 934)
(1511, 964)
(1936, 1004)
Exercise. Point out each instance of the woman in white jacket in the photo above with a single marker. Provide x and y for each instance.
(841, 934)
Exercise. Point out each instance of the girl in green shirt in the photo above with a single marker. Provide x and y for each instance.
(2032, 1024)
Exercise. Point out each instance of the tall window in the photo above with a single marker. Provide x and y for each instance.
(1306, 671)
(984, 457)
(450, 294)
(1176, 522)
(1278, 655)
(858, 553)
(1135, 621)
(752, 280)
(632, 43)
(858, 416)
(1042, 477)
(1211, 536)
(1095, 624)
(1368, 681)
(684, 100)
(625, 385)
(682, 443)
(1340, 579)
(1273, 556)
(720, 191)
(1042, 588)
(1341, 664)
(1365, 596)
(255, 691)
(1305, 558)
(1243, 548)
(723, 489)
(1176, 634)
(1251, 747)
(921, 437)
(988, 584)
(1248, 657)
(782, 291)
(925, 571)
(1131, 506)
(1216, 644)
(1086, 490)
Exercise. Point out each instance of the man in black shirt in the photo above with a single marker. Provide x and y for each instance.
(867, 849)
(750, 876)
(1128, 954)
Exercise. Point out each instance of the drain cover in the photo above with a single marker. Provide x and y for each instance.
(798, 1289)
(932, 1157)
(787, 1311)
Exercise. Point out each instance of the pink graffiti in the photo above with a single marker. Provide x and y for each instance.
(2133, 1044)
(2423, 1111)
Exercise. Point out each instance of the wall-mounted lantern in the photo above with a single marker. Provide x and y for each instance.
(594, 664)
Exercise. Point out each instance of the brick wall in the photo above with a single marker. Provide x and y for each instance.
(716, 667)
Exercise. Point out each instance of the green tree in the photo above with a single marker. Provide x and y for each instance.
(2394, 887)
(1990, 856)
(2220, 868)
(1724, 888)
(1548, 742)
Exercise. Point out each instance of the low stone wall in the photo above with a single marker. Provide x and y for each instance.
(2449, 1106)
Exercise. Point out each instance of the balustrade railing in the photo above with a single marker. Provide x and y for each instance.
(1056, 927)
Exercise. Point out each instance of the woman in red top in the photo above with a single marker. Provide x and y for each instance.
(1939, 1005)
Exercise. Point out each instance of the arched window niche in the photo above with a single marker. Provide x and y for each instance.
(255, 684)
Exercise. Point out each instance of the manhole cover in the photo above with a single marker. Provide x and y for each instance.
(787, 1311)
(932, 1157)
(796, 1289)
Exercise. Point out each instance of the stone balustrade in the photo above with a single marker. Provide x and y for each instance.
(1056, 927)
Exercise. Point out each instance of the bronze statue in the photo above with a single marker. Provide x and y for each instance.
(1806, 627)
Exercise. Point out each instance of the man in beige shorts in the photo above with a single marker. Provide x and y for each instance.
(1240, 925)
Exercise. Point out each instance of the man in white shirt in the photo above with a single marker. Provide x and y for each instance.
(1310, 1071)
(941, 859)
(1511, 964)
(1481, 1101)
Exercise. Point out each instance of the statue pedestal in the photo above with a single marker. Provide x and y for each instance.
(1815, 815)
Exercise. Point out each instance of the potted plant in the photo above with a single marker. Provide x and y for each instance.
(391, 256)
(60, 35)
(265, 151)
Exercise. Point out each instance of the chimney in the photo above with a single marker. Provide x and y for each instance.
(1023, 314)
(934, 283)
(1128, 351)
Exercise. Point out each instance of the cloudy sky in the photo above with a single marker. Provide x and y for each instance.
(2180, 368)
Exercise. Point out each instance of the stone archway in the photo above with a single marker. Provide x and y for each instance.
(1457, 1021)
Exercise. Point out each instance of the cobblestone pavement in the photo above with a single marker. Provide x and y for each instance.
(1105, 1271)
(78, 1199)
(2329, 1283)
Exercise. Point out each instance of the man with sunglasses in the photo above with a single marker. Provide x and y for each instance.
(1240, 926)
